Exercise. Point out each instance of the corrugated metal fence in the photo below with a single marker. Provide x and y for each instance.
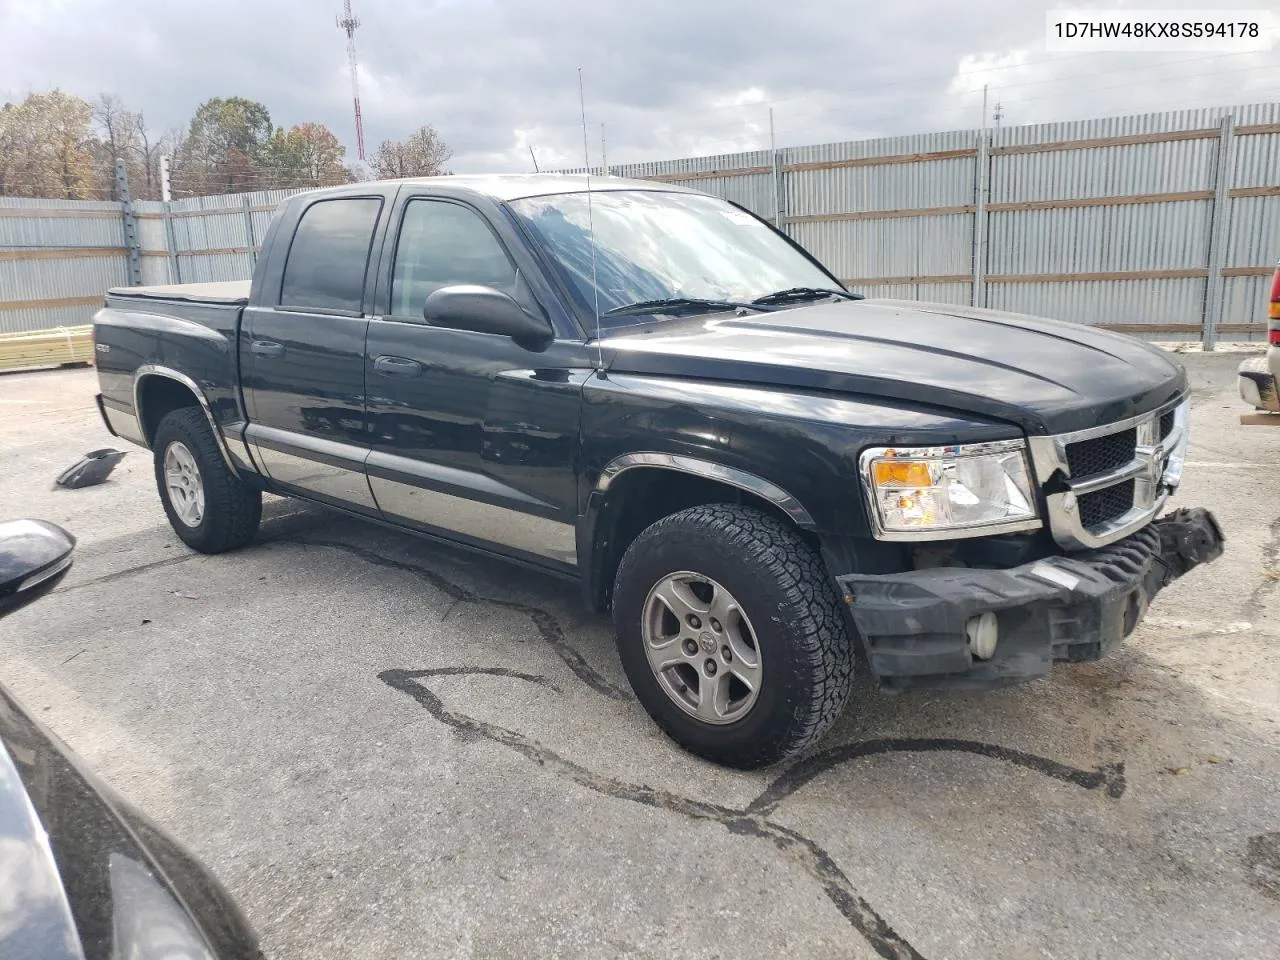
(1163, 225)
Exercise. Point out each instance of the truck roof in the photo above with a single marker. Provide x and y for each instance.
(515, 186)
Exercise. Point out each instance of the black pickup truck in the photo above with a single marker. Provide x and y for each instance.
(650, 390)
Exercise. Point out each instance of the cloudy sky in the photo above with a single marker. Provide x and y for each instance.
(669, 78)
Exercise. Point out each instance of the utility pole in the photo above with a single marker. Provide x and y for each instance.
(604, 161)
(348, 22)
(998, 114)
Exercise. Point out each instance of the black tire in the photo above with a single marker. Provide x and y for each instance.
(781, 584)
(232, 508)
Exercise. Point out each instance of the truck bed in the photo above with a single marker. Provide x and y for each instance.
(233, 292)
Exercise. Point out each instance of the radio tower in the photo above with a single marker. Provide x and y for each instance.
(349, 22)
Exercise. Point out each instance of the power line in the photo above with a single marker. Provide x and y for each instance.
(823, 126)
(915, 81)
(1071, 79)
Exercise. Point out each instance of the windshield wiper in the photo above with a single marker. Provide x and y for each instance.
(677, 305)
(805, 293)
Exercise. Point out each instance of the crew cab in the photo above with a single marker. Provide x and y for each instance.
(764, 476)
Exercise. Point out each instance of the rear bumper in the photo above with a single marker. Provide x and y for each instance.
(1061, 608)
(1256, 380)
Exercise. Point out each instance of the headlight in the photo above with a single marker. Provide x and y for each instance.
(970, 490)
(1182, 429)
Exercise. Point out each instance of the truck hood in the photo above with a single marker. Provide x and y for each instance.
(1044, 375)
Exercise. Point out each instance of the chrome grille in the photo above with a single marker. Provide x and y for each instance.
(1107, 482)
(1104, 505)
(1100, 454)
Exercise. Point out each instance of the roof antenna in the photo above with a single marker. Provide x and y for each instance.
(591, 228)
(534, 158)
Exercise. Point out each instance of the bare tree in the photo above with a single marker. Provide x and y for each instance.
(422, 155)
(150, 149)
(123, 135)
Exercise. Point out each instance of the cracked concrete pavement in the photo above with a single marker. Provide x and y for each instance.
(388, 748)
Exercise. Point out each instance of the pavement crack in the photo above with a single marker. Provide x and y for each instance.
(548, 627)
(130, 571)
(1270, 560)
(1110, 776)
(815, 860)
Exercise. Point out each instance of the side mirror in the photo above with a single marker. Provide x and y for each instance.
(485, 310)
(34, 556)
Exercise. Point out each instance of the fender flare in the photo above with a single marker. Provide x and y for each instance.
(733, 476)
(148, 370)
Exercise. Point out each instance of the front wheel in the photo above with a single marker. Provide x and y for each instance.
(731, 634)
(209, 507)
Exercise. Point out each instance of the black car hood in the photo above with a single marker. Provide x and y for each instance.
(1044, 375)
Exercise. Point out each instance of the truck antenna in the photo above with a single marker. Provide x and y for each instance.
(591, 227)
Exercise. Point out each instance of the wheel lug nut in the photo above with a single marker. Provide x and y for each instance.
(715, 625)
(709, 668)
(694, 621)
(690, 647)
(726, 654)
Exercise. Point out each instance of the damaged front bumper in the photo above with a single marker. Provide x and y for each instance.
(919, 628)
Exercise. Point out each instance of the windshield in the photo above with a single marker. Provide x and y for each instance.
(652, 245)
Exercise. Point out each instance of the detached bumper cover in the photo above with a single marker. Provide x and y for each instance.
(1061, 608)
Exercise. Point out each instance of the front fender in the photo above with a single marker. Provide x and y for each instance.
(798, 448)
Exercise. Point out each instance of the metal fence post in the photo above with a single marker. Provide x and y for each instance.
(248, 229)
(170, 237)
(1214, 302)
(171, 244)
(981, 190)
(133, 250)
(775, 161)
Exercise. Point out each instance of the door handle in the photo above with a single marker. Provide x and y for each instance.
(267, 348)
(397, 367)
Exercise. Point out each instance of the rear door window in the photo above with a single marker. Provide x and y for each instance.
(329, 255)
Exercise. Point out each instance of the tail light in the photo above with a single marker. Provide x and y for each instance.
(1274, 312)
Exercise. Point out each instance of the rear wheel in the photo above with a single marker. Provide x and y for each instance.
(209, 507)
(731, 634)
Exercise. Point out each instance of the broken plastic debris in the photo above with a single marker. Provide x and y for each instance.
(94, 468)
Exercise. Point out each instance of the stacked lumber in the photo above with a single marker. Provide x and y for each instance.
(46, 348)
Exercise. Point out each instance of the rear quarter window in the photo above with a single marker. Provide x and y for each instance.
(329, 255)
